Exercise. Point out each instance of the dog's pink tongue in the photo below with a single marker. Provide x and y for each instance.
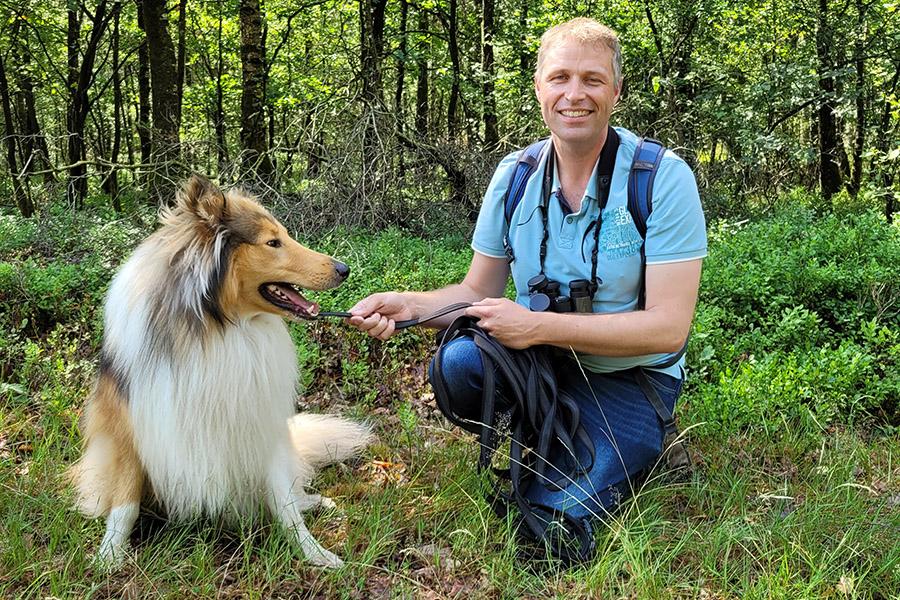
(310, 308)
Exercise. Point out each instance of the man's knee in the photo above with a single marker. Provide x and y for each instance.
(459, 363)
(461, 369)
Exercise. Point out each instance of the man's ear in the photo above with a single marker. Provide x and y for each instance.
(204, 200)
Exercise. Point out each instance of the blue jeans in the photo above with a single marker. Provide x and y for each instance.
(620, 421)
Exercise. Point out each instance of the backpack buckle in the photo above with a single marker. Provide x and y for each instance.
(507, 249)
(676, 453)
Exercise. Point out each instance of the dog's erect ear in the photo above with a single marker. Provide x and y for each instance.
(203, 199)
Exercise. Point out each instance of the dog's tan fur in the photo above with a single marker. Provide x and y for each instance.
(110, 473)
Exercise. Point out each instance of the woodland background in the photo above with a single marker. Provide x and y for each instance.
(373, 112)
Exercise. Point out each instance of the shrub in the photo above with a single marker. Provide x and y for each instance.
(16, 234)
(845, 269)
(37, 297)
(828, 384)
(797, 321)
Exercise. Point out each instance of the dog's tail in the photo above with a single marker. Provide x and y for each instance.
(324, 439)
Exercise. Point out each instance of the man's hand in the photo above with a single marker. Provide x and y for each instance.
(377, 314)
(509, 323)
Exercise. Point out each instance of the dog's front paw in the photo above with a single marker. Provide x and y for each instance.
(327, 503)
(323, 558)
(111, 556)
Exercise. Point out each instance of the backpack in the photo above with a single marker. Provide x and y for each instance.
(644, 165)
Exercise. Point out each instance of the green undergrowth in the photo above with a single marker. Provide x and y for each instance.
(791, 409)
(799, 322)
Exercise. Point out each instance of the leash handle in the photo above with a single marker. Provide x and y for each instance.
(407, 322)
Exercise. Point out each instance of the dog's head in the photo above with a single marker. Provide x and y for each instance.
(247, 260)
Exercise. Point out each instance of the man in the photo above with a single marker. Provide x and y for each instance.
(578, 82)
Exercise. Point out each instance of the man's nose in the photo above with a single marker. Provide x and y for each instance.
(574, 89)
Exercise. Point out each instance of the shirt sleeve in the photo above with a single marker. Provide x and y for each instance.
(676, 229)
(491, 225)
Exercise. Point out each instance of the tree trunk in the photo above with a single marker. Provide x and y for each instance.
(269, 104)
(164, 86)
(421, 119)
(684, 91)
(371, 47)
(253, 97)
(829, 168)
(399, 113)
(101, 145)
(37, 154)
(883, 142)
(179, 68)
(313, 138)
(526, 58)
(453, 47)
(79, 80)
(652, 112)
(76, 185)
(315, 149)
(489, 113)
(143, 113)
(19, 193)
(126, 117)
(371, 14)
(221, 148)
(110, 185)
(401, 66)
(859, 142)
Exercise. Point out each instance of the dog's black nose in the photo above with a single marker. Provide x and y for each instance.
(343, 270)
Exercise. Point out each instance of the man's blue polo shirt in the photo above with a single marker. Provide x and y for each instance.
(676, 231)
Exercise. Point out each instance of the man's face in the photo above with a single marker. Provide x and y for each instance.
(577, 91)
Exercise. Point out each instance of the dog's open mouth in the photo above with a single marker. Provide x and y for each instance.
(285, 296)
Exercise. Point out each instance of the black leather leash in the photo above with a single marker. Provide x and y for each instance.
(546, 434)
(408, 322)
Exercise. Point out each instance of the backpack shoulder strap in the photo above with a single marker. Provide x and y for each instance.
(644, 165)
(524, 169)
(647, 156)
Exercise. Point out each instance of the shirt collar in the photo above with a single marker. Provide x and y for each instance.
(590, 192)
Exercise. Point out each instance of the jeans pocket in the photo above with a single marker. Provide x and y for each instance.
(665, 384)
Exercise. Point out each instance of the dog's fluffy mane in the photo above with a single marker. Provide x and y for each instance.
(176, 278)
(200, 236)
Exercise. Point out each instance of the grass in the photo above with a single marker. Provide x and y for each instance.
(795, 491)
(759, 518)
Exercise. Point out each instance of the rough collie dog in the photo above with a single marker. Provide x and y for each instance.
(194, 407)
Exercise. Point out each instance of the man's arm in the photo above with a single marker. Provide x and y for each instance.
(661, 327)
(377, 314)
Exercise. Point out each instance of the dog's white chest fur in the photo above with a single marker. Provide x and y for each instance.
(209, 423)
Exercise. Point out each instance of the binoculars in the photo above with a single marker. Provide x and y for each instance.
(544, 295)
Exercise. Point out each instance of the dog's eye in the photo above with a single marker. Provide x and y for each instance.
(276, 243)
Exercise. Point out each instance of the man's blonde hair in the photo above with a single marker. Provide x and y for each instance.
(587, 31)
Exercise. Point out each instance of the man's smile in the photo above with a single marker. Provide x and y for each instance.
(571, 112)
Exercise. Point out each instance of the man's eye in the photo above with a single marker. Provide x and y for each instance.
(276, 243)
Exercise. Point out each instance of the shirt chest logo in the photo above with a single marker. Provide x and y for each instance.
(619, 237)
